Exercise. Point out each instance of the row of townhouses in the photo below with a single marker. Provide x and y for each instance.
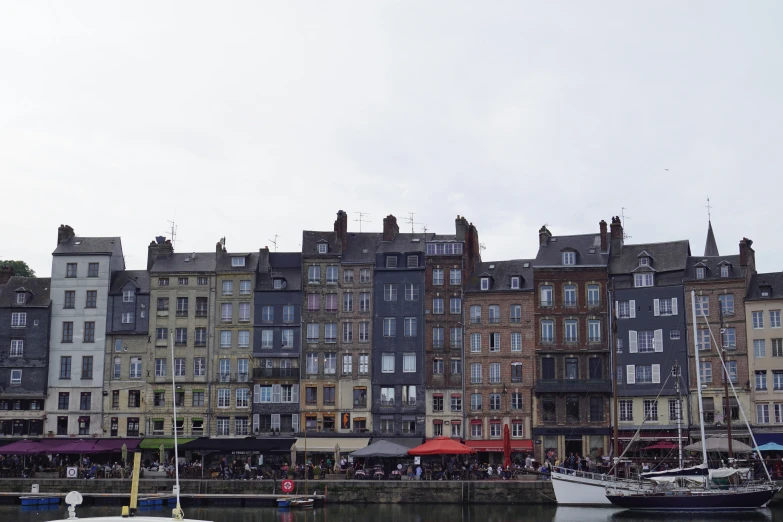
(393, 334)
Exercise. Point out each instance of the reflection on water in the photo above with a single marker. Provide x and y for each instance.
(402, 513)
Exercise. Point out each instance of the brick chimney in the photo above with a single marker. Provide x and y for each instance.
(341, 229)
(604, 236)
(461, 228)
(544, 235)
(390, 228)
(64, 233)
(161, 247)
(6, 273)
(746, 254)
(616, 235)
(263, 260)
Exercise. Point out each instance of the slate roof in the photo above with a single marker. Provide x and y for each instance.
(666, 257)
(140, 277)
(224, 263)
(550, 255)
(358, 242)
(501, 275)
(38, 286)
(89, 246)
(405, 242)
(310, 238)
(204, 262)
(443, 237)
(287, 265)
(713, 267)
(774, 280)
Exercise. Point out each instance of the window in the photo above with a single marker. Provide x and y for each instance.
(475, 343)
(571, 368)
(17, 348)
(228, 287)
(437, 403)
(726, 304)
(89, 332)
(364, 364)
(85, 401)
(456, 337)
(645, 341)
(475, 373)
(364, 275)
(437, 305)
(594, 331)
(364, 332)
(330, 333)
(759, 348)
(244, 287)
(391, 261)
(160, 367)
(569, 258)
(243, 338)
(515, 280)
(456, 366)
(387, 396)
(128, 296)
(16, 376)
(572, 409)
(626, 410)
(779, 413)
(413, 261)
(546, 295)
(774, 318)
(730, 338)
(547, 331)
(348, 332)
(410, 326)
(516, 342)
(329, 395)
(70, 299)
(202, 281)
(347, 302)
(364, 302)
(70, 270)
(516, 372)
(117, 368)
(570, 331)
(224, 398)
(516, 401)
(455, 305)
(313, 333)
(437, 276)
(674, 335)
(549, 409)
(494, 401)
(494, 342)
(314, 274)
(65, 367)
(182, 281)
(84, 425)
(761, 380)
(455, 276)
(515, 314)
(674, 410)
(87, 362)
(163, 281)
(67, 332)
(199, 366)
(411, 292)
(135, 368)
(313, 305)
(494, 314)
(63, 401)
(244, 312)
(705, 371)
(347, 364)
(641, 280)
(762, 413)
(348, 276)
(409, 363)
(456, 402)
(389, 326)
(389, 292)
(724, 271)
(331, 274)
(650, 409)
(387, 363)
(593, 295)
(569, 295)
(437, 366)
(596, 409)
(223, 425)
(624, 309)
(127, 318)
(225, 338)
(644, 373)
(485, 283)
(777, 380)
(237, 261)
(182, 306)
(242, 398)
(323, 248)
(666, 306)
(475, 314)
(311, 363)
(476, 429)
(777, 347)
(758, 320)
(226, 312)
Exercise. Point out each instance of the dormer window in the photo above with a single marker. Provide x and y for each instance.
(485, 283)
(764, 291)
(278, 284)
(237, 261)
(569, 258)
(413, 261)
(20, 298)
(128, 296)
(724, 270)
(700, 272)
(644, 261)
(391, 261)
(515, 283)
(641, 280)
(323, 248)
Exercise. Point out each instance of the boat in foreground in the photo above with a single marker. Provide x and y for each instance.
(690, 499)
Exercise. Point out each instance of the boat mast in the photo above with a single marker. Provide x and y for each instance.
(613, 375)
(726, 378)
(698, 380)
(677, 374)
(177, 514)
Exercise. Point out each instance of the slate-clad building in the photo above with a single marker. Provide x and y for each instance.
(127, 346)
(24, 336)
(277, 342)
(650, 336)
(398, 340)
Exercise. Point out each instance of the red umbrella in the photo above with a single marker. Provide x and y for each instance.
(662, 445)
(506, 446)
(441, 446)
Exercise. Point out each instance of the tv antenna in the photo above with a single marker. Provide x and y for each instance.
(623, 217)
(274, 241)
(411, 221)
(362, 216)
(173, 233)
(482, 246)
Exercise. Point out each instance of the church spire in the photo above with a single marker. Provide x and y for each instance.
(711, 247)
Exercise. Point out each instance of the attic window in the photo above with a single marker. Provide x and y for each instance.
(322, 248)
(278, 284)
(526, 265)
(413, 261)
(20, 298)
(491, 267)
(569, 258)
(415, 240)
(700, 272)
(553, 240)
(591, 251)
(515, 283)
(77, 242)
(724, 271)
(485, 283)
(391, 261)
(644, 261)
(764, 290)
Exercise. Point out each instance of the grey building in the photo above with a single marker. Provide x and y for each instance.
(24, 331)
(398, 333)
(277, 341)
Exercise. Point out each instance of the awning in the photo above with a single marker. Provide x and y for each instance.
(765, 438)
(260, 445)
(168, 442)
(497, 445)
(328, 444)
(408, 442)
(69, 446)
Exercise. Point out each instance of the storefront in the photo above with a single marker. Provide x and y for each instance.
(319, 449)
(491, 451)
(271, 451)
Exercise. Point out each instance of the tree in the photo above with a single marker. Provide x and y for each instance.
(19, 268)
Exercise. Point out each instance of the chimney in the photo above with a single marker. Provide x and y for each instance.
(161, 247)
(64, 233)
(341, 229)
(544, 235)
(616, 234)
(263, 260)
(746, 254)
(604, 237)
(390, 228)
(6, 273)
(219, 250)
(461, 228)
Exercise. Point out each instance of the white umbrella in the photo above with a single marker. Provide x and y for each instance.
(721, 444)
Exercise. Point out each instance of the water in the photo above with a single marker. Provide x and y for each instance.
(403, 513)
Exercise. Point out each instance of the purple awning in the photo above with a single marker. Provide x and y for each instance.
(68, 446)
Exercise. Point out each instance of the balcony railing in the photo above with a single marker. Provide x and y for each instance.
(388, 402)
(201, 313)
(182, 313)
(242, 377)
(545, 302)
(594, 339)
(224, 377)
(574, 385)
(475, 380)
(261, 373)
(437, 344)
(494, 320)
(409, 402)
(475, 320)
(359, 403)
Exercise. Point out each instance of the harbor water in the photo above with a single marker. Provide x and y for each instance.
(402, 513)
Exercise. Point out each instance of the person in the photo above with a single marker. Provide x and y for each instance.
(418, 472)
(328, 464)
(528, 462)
(489, 471)
(246, 476)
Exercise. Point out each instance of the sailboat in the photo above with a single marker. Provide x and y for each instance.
(700, 497)
(74, 498)
(296, 501)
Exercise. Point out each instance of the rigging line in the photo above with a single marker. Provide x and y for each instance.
(739, 403)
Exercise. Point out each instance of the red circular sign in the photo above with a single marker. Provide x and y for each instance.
(288, 486)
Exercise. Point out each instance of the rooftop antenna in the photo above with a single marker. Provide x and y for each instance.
(411, 221)
(709, 207)
(482, 246)
(274, 242)
(361, 219)
(173, 233)
(624, 217)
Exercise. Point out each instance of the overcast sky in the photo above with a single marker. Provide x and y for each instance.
(250, 119)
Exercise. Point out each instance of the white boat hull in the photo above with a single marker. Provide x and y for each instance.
(579, 490)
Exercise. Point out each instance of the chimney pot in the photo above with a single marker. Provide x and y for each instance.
(604, 237)
(390, 228)
(341, 229)
(544, 235)
(6, 273)
(746, 254)
(64, 233)
(616, 234)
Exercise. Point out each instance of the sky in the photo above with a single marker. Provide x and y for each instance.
(256, 120)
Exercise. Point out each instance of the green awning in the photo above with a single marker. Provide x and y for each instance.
(168, 442)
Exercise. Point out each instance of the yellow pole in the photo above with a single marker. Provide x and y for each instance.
(135, 483)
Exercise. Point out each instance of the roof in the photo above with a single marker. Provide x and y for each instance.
(185, 263)
(712, 264)
(587, 247)
(774, 280)
(501, 274)
(361, 247)
(37, 286)
(287, 265)
(224, 264)
(89, 246)
(710, 247)
(666, 257)
(140, 277)
(310, 238)
(405, 242)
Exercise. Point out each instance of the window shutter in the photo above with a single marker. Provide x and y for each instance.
(656, 373)
(295, 422)
(630, 374)
(276, 421)
(674, 306)
(295, 394)
(658, 340)
(632, 346)
(276, 393)
(616, 308)
(256, 394)
(656, 307)
(632, 306)
(256, 423)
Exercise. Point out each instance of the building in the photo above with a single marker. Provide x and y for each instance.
(449, 260)
(24, 330)
(127, 346)
(500, 357)
(650, 336)
(573, 384)
(277, 342)
(82, 270)
(398, 344)
(720, 284)
(763, 305)
(183, 291)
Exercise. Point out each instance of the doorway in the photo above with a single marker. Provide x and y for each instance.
(574, 446)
